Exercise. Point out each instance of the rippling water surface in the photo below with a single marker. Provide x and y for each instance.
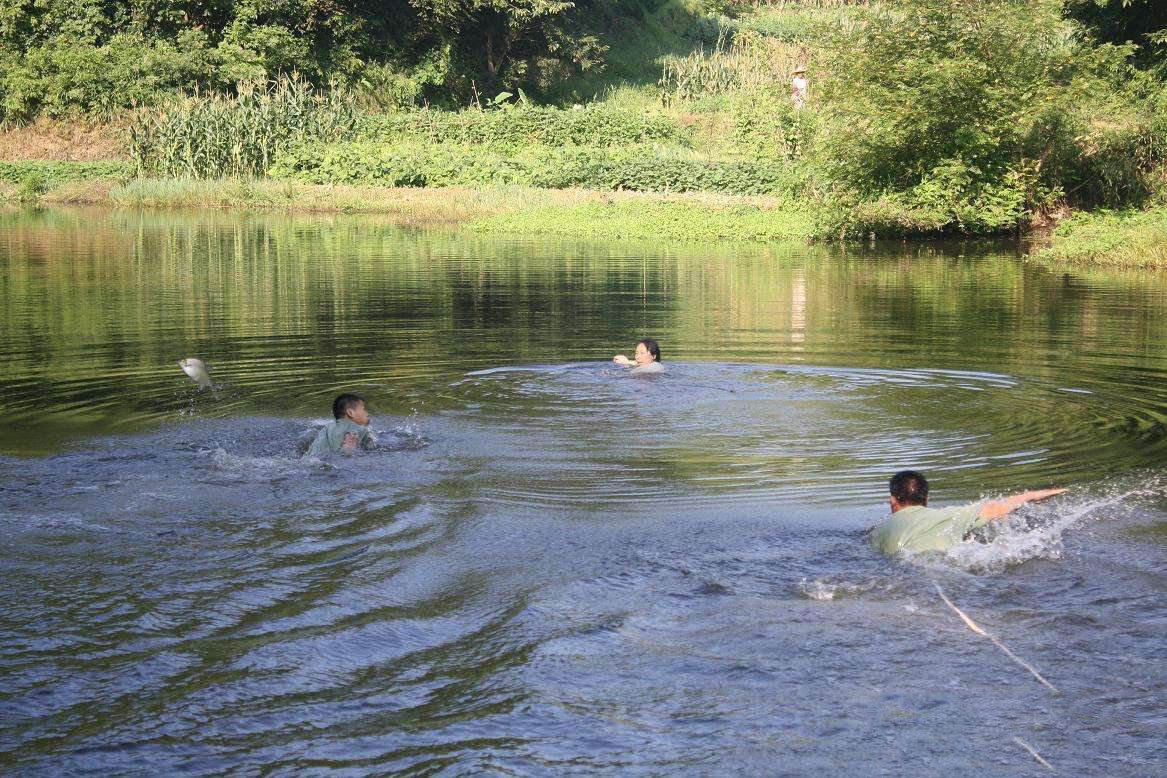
(550, 566)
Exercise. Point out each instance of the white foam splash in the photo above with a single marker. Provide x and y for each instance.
(1017, 540)
(825, 590)
(407, 436)
(245, 466)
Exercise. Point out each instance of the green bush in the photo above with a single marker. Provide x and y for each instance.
(61, 57)
(950, 108)
(597, 124)
(64, 78)
(52, 173)
(769, 125)
(636, 168)
(32, 186)
(386, 87)
(1118, 157)
(928, 211)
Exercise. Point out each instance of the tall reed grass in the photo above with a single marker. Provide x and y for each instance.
(216, 136)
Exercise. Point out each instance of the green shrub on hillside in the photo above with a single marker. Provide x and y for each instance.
(598, 124)
(769, 125)
(635, 168)
(951, 200)
(54, 172)
(61, 57)
(951, 108)
(63, 78)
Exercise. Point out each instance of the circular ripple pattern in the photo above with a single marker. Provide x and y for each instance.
(739, 433)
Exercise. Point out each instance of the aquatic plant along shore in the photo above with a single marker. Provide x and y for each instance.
(676, 97)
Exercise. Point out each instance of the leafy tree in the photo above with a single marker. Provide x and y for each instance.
(512, 42)
(974, 110)
(60, 55)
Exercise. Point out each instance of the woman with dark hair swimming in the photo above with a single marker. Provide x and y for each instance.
(646, 358)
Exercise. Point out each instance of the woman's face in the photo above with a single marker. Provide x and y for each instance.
(643, 357)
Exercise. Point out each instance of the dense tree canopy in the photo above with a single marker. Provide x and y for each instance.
(981, 110)
(57, 55)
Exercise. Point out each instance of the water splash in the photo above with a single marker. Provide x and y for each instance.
(407, 436)
(1037, 531)
(821, 589)
(243, 467)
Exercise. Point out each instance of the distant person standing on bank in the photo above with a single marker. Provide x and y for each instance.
(799, 87)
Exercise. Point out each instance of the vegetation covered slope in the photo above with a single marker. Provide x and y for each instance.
(924, 116)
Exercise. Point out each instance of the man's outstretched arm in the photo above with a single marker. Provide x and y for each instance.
(999, 509)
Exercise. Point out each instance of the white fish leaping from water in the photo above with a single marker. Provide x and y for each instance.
(198, 371)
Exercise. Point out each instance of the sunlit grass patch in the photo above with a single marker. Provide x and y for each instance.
(449, 205)
(666, 217)
(1121, 238)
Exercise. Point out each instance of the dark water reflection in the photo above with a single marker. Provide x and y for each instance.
(553, 567)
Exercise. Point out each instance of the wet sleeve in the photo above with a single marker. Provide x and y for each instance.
(319, 445)
(970, 517)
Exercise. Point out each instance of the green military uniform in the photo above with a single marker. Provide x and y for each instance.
(331, 437)
(918, 528)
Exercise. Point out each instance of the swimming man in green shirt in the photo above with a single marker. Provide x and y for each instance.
(913, 526)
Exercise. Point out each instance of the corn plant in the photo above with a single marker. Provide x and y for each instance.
(215, 136)
(747, 62)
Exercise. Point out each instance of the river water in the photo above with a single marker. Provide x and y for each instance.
(550, 566)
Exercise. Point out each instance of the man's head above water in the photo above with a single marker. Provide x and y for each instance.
(907, 488)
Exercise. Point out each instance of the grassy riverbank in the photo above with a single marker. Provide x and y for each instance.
(1119, 239)
(1133, 238)
(502, 209)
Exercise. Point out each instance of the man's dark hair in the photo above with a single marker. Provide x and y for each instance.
(345, 401)
(909, 487)
(653, 349)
